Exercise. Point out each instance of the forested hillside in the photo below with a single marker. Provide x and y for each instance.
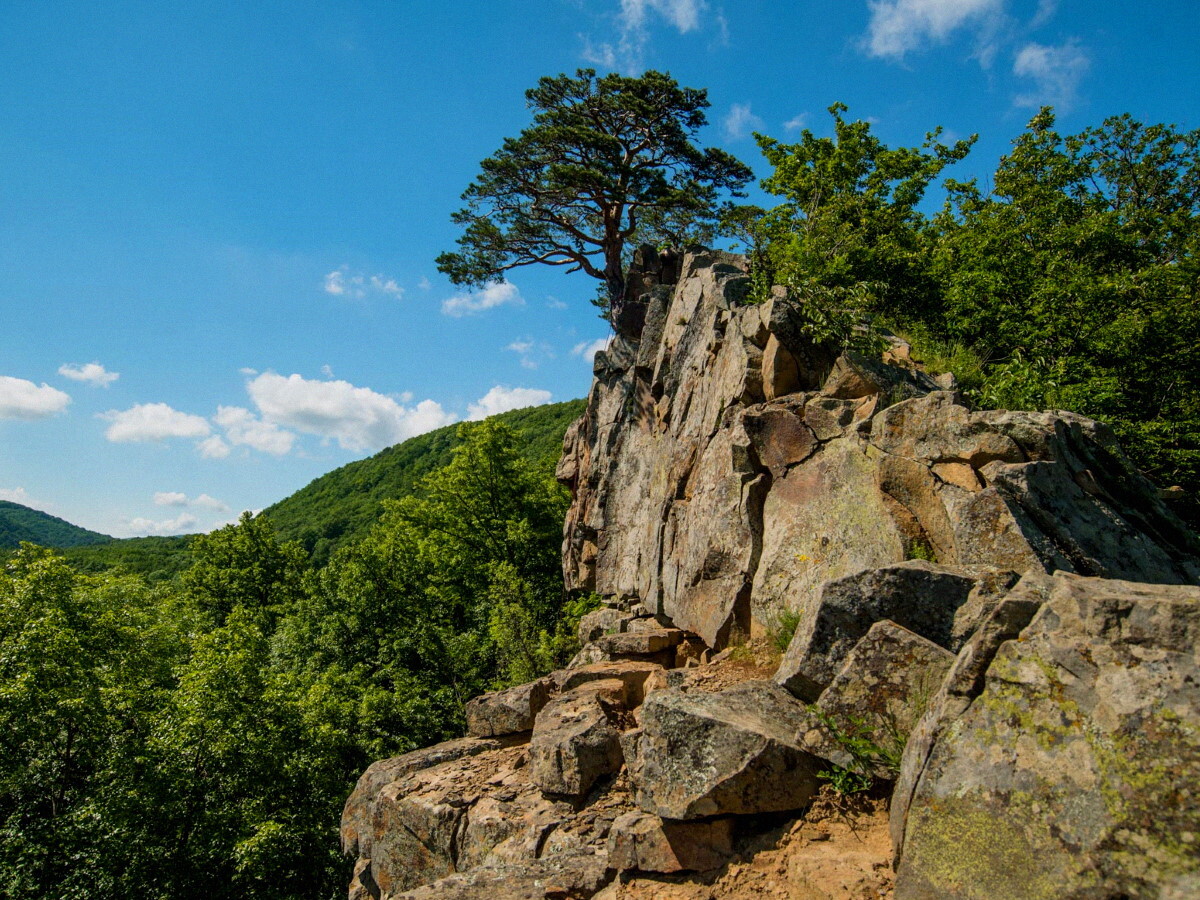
(197, 737)
(20, 523)
(342, 505)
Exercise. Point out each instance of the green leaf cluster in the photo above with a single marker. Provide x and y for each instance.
(1071, 283)
(198, 738)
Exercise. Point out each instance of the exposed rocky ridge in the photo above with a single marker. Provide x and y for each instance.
(728, 469)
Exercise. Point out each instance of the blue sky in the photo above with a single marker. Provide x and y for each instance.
(218, 221)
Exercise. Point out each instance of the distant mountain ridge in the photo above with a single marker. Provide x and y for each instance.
(21, 523)
(338, 507)
(342, 505)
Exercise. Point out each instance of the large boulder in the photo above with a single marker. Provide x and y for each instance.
(574, 739)
(643, 842)
(883, 688)
(921, 596)
(1073, 771)
(727, 467)
(358, 815)
(509, 711)
(735, 751)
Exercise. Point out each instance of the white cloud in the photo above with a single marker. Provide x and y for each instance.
(16, 495)
(529, 350)
(178, 498)
(326, 370)
(555, 303)
(356, 417)
(900, 26)
(213, 448)
(683, 14)
(21, 399)
(1056, 72)
(796, 122)
(341, 282)
(243, 428)
(93, 373)
(501, 399)
(179, 525)
(634, 21)
(589, 349)
(741, 121)
(424, 284)
(246, 370)
(153, 422)
(502, 293)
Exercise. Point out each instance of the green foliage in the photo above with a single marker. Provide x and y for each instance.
(20, 523)
(341, 506)
(154, 558)
(854, 738)
(1077, 276)
(608, 163)
(786, 623)
(1072, 283)
(849, 219)
(198, 739)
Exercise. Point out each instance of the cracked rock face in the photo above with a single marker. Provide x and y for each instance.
(726, 468)
(1069, 769)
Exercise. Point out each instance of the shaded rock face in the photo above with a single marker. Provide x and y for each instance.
(735, 751)
(883, 688)
(726, 468)
(1073, 771)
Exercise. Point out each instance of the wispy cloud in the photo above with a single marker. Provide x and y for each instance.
(21, 399)
(740, 121)
(502, 293)
(181, 524)
(898, 27)
(588, 349)
(178, 498)
(357, 418)
(501, 399)
(213, 447)
(530, 351)
(341, 282)
(634, 20)
(153, 422)
(16, 495)
(1056, 73)
(93, 373)
(796, 122)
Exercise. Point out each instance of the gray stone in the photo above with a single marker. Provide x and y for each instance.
(359, 812)
(883, 688)
(735, 751)
(631, 673)
(922, 597)
(573, 742)
(509, 711)
(599, 622)
(565, 877)
(1073, 771)
(644, 842)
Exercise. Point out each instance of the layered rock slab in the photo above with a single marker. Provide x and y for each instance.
(876, 699)
(1074, 770)
(920, 596)
(735, 751)
(727, 467)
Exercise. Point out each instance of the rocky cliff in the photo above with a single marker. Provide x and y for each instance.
(995, 624)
